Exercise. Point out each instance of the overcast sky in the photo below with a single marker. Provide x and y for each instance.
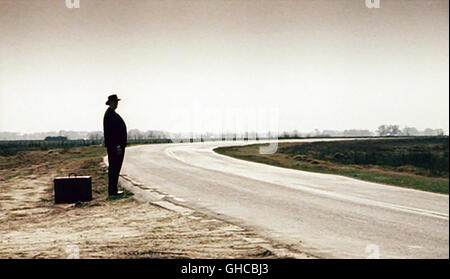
(322, 64)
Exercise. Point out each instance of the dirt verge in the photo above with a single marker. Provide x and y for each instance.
(32, 226)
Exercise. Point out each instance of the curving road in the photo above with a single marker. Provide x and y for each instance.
(324, 215)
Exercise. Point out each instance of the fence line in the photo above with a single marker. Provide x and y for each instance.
(70, 143)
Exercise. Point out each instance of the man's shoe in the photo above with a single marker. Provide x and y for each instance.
(117, 194)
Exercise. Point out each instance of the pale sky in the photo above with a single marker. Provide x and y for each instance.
(321, 64)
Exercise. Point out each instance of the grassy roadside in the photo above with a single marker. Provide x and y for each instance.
(392, 162)
(32, 226)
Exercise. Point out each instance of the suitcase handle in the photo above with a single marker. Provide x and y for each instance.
(73, 174)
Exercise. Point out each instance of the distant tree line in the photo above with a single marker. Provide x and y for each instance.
(135, 134)
(394, 130)
(383, 131)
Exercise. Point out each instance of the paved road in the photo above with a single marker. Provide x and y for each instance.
(323, 215)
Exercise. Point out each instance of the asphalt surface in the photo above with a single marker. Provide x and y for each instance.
(323, 215)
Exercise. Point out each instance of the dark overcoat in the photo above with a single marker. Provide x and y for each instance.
(114, 130)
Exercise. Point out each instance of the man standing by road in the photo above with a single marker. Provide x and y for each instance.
(115, 134)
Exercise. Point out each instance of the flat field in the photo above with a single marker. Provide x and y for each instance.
(418, 163)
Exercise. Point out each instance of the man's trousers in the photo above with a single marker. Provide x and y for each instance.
(115, 164)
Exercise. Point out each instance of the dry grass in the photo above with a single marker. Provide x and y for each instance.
(288, 157)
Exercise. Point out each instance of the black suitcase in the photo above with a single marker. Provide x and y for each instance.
(72, 188)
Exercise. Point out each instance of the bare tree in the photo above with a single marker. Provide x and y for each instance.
(410, 131)
(389, 130)
(382, 130)
(395, 130)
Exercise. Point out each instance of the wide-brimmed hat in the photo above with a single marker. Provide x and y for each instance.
(112, 98)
